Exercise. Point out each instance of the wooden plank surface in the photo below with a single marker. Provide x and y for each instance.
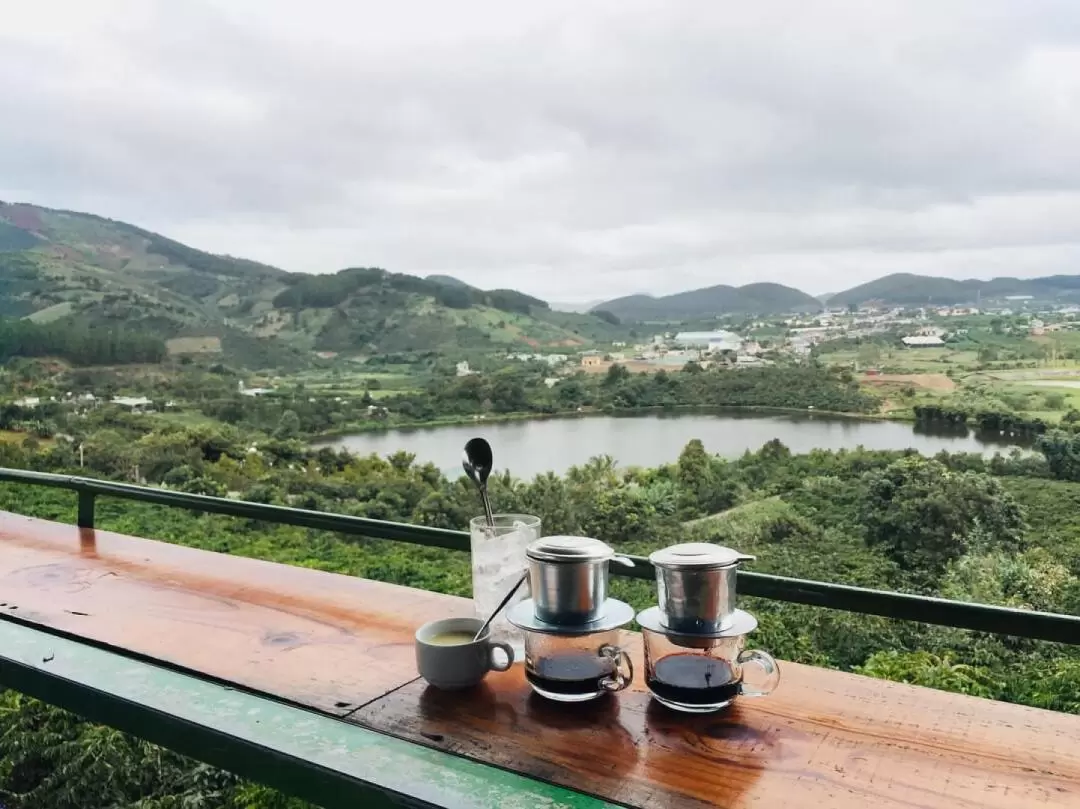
(325, 641)
(333, 642)
(822, 739)
(307, 754)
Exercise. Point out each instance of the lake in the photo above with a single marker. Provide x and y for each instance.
(528, 448)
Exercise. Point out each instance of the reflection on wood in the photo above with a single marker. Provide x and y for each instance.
(326, 641)
(824, 739)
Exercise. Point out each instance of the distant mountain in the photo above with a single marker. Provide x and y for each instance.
(58, 265)
(63, 266)
(761, 299)
(448, 280)
(580, 307)
(906, 289)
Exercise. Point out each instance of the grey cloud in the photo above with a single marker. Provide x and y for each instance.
(572, 150)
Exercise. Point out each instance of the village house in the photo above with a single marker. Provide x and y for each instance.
(254, 392)
(591, 359)
(714, 341)
(923, 341)
(136, 404)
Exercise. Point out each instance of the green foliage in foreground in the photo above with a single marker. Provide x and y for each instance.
(955, 526)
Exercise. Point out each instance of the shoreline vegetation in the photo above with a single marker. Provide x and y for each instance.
(496, 418)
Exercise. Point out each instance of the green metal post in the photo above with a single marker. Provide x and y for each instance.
(86, 508)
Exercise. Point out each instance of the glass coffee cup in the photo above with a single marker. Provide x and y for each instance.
(576, 668)
(699, 674)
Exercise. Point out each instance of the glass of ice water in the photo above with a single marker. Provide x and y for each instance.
(498, 560)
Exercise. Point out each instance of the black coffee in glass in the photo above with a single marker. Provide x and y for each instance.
(571, 674)
(693, 680)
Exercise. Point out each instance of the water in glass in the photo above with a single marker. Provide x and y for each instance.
(498, 560)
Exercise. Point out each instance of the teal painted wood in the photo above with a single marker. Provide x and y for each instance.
(306, 754)
(901, 606)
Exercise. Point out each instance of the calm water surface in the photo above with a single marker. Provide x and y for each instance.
(528, 448)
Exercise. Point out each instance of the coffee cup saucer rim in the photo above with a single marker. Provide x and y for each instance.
(742, 623)
(616, 614)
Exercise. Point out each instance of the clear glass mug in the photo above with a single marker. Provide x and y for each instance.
(498, 562)
(700, 675)
(576, 668)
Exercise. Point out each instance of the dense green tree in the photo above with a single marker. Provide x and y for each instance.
(1062, 453)
(288, 427)
(920, 513)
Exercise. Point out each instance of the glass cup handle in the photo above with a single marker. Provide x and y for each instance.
(623, 674)
(765, 662)
(506, 650)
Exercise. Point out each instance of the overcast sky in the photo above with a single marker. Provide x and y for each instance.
(574, 150)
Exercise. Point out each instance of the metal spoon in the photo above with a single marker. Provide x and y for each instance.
(502, 604)
(477, 461)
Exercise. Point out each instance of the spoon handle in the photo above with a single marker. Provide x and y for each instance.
(487, 508)
(502, 604)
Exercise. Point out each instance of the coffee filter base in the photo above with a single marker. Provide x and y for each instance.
(615, 614)
(742, 623)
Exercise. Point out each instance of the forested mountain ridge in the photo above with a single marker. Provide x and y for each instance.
(906, 289)
(761, 299)
(97, 274)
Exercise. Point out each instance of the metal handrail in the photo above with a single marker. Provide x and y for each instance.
(903, 606)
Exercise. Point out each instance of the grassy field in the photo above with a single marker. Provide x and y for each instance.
(12, 437)
(339, 382)
(1047, 388)
(51, 313)
(907, 360)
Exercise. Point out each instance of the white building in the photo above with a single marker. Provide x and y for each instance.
(246, 391)
(923, 341)
(800, 345)
(463, 369)
(131, 402)
(550, 359)
(712, 340)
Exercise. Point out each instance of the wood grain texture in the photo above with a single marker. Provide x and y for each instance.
(327, 641)
(822, 739)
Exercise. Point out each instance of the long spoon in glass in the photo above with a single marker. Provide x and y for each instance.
(502, 604)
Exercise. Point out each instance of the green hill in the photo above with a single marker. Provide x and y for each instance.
(101, 276)
(369, 310)
(761, 299)
(906, 289)
(449, 280)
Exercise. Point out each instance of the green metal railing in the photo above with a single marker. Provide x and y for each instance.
(938, 611)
